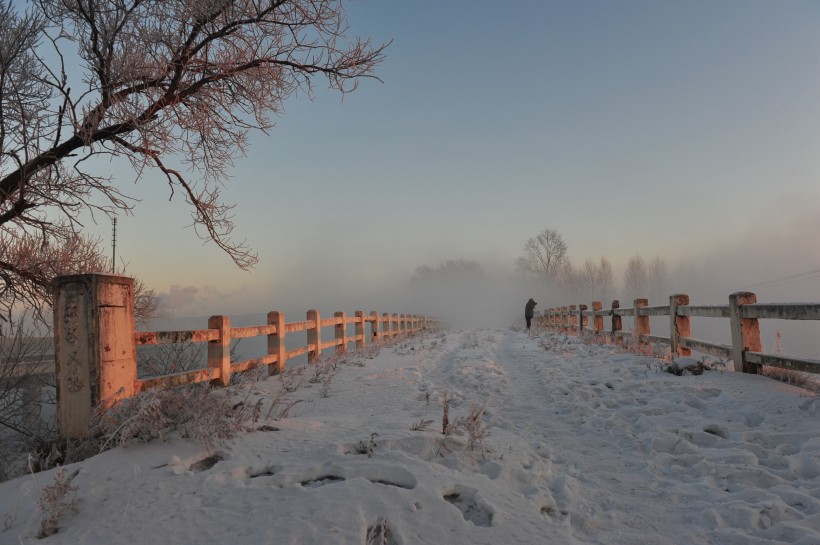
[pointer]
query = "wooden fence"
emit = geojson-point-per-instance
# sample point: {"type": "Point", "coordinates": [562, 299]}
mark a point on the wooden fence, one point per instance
{"type": "Point", "coordinates": [95, 344]}
{"type": "Point", "coordinates": [743, 311]}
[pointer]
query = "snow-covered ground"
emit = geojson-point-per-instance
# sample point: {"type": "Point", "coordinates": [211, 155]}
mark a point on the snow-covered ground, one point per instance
{"type": "Point", "coordinates": [587, 444]}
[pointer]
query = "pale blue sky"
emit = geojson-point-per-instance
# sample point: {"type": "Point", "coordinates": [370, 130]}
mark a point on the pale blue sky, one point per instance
{"type": "Point", "coordinates": [679, 129]}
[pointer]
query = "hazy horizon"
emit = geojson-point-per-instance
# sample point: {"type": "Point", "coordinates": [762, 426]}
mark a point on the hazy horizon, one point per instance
{"type": "Point", "coordinates": [688, 131]}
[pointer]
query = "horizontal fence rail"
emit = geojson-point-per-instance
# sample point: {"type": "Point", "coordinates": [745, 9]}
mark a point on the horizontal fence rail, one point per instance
{"type": "Point", "coordinates": [219, 338]}
{"type": "Point", "coordinates": [743, 311]}
{"type": "Point", "coordinates": [95, 344]}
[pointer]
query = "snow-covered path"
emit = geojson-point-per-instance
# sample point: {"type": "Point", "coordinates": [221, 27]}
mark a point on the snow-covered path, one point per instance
{"type": "Point", "coordinates": [587, 445]}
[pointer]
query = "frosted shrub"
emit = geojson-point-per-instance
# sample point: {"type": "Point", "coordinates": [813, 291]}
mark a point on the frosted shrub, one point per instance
{"type": "Point", "coordinates": [197, 412]}
{"type": "Point", "coordinates": [167, 359]}
{"type": "Point", "coordinates": [471, 425]}
{"type": "Point", "coordinates": [55, 499]}
{"type": "Point", "coordinates": [474, 427]}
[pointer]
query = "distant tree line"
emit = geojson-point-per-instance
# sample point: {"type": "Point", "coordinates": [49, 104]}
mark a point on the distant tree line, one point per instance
{"type": "Point", "coordinates": [545, 258]}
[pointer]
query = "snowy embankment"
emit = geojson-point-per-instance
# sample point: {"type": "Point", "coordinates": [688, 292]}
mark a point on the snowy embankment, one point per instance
{"type": "Point", "coordinates": [587, 445]}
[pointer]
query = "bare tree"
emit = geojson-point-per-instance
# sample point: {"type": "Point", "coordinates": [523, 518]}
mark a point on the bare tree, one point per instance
{"type": "Point", "coordinates": [658, 279]}
{"type": "Point", "coordinates": [606, 281]}
{"type": "Point", "coordinates": [26, 387]}
{"type": "Point", "coordinates": [28, 267]}
{"type": "Point", "coordinates": [635, 278]}
{"type": "Point", "coordinates": [174, 85]}
{"type": "Point", "coordinates": [451, 271]}
{"type": "Point", "coordinates": [569, 279]}
{"type": "Point", "coordinates": [545, 253]}
{"type": "Point", "coordinates": [588, 276]}
{"type": "Point", "coordinates": [523, 268]}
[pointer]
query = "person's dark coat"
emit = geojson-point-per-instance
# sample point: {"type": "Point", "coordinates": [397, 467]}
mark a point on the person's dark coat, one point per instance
{"type": "Point", "coordinates": [529, 309]}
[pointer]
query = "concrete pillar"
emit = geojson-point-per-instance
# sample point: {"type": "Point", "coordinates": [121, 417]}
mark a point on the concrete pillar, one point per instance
{"type": "Point", "coordinates": [276, 342]}
{"type": "Point", "coordinates": [96, 359]}
{"type": "Point", "coordinates": [745, 332]}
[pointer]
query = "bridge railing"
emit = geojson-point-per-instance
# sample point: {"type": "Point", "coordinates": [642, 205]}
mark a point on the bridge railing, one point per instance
{"type": "Point", "coordinates": [95, 344]}
{"type": "Point", "coordinates": [743, 312]}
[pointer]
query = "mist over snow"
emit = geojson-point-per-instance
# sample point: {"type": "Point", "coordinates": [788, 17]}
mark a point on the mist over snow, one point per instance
{"type": "Point", "coordinates": [767, 258]}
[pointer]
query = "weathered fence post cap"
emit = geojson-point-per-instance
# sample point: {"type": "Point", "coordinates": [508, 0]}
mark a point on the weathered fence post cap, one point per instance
{"type": "Point", "coordinates": [115, 278]}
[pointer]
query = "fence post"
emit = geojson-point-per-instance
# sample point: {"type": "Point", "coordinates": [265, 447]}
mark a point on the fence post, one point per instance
{"type": "Point", "coordinates": [745, 332]}
{"type": "Point", "coordinates": [679, 325]}
{"type": "Point", "coordinates": [386, 329]}
{"type": "Point", "coordinates": [564, 319]}
{"type": "Point", "coordinates": [314, 335]}
{"type": "Point", "coordinates": [571, 318]}
{"type": "Point", "coordinates": [395, 324]}
{"type": "Point", "coordinates": [641, 322]}
{"type": "Point", "coordinates": [375, 332]}
{"type": "Point", "coordinates": [95, 353]}
{"type": "Point", "coordinates": [360, 336]}
{"type": "Point", "coordinates": [617, 324]}
{"type": "Point", "coordinates": [583, 321]}
{"type": "Point", "coordinates": [341, 333]}
{"type": "Point", "coordinates": [276, 342]}
{"type": "Point", "coordinates": [219, 350]}
{"type": "Point", "coordinates": [598, 321]}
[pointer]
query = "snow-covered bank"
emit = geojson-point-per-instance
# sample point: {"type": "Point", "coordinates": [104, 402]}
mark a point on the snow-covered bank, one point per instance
{"type": "Point", "coordinates": [587, 445]}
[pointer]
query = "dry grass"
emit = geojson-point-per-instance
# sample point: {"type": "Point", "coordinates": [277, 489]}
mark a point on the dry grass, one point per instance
{"type": "Point", "coordinates": [795, 378]}
{"type": "Point", "coordinates": [55, 499]}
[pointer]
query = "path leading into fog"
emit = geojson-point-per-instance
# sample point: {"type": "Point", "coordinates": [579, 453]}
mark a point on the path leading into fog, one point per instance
{"type": "Point", "coordinates": [587, 445]}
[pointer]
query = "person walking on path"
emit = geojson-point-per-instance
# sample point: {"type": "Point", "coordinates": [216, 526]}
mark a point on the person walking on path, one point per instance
{"type": "Point", "coordinates": [529, 311]}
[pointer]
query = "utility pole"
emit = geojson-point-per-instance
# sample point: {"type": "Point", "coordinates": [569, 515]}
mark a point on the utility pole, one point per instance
{"type": "Point", "coordinates": [114, 247]}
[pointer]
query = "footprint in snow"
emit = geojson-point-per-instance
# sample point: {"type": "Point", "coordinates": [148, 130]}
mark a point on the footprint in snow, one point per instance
{"type": "Point", "coordinates": [465, 499]}
{"type": "Point", "coordinates": [206, 463]}
{"type": "Point", "coordinates": [380, 534]}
